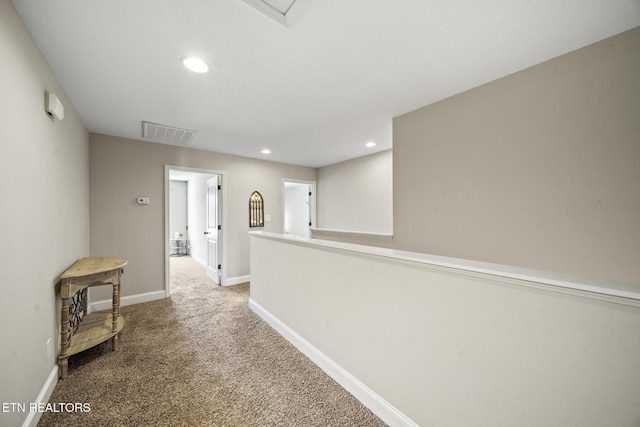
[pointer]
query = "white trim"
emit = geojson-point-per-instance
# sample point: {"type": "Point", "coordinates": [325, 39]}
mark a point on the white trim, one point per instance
{"type": "Point", "coordinates": [336, 233]}
{"type": "Point", "coordinates": [606, 290]}
{"type": "Point", "coordinates": [43, 398]}
{"type": "Point", "coordinates": [383, 409]}
{"type": "Point", "coordinates": [286, 18]}
{"type": "Point", "coordinates": [198, 260]}
{"type": "Point", "coordinates": [259, 5]}
{"type": "Point", "coordinates": [236, 280]}
{"type": "Point", "coordinates": [228, 282]}
{"type": "Point", "coordinates": [225, 282]}
{"type": "Point", "coordinates": [128, 300]}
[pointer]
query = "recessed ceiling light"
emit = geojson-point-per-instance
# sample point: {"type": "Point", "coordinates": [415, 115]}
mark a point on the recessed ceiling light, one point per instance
{"type": "Point", "coordinates": [266, 151]}
{"type": "Point", "coordinates": [195, 64]}
{"type": "Point", "coordinates": [370, 144]}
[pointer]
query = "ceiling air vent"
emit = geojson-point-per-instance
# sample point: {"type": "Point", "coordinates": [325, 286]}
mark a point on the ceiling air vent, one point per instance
{"type": "Point", "coordinates": [167, 134]}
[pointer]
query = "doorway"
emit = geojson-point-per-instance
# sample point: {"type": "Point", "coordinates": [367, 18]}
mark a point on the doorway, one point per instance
{"type": "Point", "coordinates": [178, 217]}
{"type": "Point", "coordinates": [299, 207]}
{"type": "Point", "coordinates": [203, 235]}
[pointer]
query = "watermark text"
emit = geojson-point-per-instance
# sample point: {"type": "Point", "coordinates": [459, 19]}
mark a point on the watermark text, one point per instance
{"type": "Point", "coordinates": [45, 407]}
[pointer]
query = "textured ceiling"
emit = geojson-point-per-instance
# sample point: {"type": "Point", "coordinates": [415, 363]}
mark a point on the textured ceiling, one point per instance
{"type": "Point", "coordinates": [315, 90]}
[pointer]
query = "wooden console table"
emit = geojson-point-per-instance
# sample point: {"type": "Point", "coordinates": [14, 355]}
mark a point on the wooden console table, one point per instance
{"type": "Point", "coordinates": [79, 330]}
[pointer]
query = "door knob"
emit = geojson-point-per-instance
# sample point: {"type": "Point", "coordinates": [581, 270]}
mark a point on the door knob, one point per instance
{"type": "Point", "coordinates": [206, 232]}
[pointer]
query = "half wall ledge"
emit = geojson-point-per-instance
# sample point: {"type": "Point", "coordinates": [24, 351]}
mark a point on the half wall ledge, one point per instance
{"type": "Point", "coordinates": [607, 290]}
{"type": "Point", "coordinates": [328, 232]}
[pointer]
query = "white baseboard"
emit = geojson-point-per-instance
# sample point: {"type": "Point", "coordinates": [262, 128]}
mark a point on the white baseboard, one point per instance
{"type": "Point", "coordinates": [43, 398]}
{"type": "Point", "coordinates": [230, 281]}
{"type": "Point", "coordinates": [383, 409]}
{"type": "Point", "coordinates": [198, 260]}
{"type": "Point", "coordinates": [225, 282]}
{"type": "Point", "coordinates": [128, 300]}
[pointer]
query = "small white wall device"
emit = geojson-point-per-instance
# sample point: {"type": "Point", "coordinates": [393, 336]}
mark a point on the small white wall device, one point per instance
{"type": "Point", "coordinates": [53, 106]}
{"type": "Point", "coordinates": [143, 200]}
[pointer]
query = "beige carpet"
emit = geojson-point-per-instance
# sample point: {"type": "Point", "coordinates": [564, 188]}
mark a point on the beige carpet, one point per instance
{"type": "Point", "coordinates": [201, 358]}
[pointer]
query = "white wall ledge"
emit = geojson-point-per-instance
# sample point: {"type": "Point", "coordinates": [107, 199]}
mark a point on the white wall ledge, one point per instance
{"type": "Point", "coordinates": [337, 233]}
{"type": "Point", "coordinates": [607, 290]}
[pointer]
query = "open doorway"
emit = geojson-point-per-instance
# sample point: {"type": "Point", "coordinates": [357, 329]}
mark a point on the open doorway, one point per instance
{"type": "Point", "coordinates": [178, 216]}
{"type": "Point", "coordinates": [299, 207]}
{"type": "Point", "coordinates": [194, 218]}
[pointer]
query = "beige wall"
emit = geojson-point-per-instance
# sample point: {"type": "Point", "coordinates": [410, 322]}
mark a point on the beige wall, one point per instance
{"type": "Point", "coordinates": [538, 169]}
{"type": "Point", "coordinates": [44, 212]}
{"type": "Point", "coordinates": [357, 195]}
{"type": "Point", "coordinates": [451, 346]}
{"type": "Point", "coordinates": [123, 169]}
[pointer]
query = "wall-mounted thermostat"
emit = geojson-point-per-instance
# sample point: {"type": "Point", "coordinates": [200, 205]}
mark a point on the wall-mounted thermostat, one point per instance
{"type": "Point", "coordinates": [143, 200]}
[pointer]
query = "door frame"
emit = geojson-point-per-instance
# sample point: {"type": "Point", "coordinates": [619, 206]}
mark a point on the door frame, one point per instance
{"type": "Point", "coordinates": [312, 201]}
{"type": "Point", "coordinates": [167, 170]}
{"type": "Point", "coordinates": [217, 182]}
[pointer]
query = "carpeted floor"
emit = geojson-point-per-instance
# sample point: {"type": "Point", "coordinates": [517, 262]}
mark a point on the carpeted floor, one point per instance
{"type": "Point", "coordinates": [201, 358]}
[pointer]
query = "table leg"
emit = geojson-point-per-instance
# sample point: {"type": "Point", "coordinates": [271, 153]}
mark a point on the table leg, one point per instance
{"type": "Point", "coordinates": [64, 337]}
{"type": "Point", "coordinates": [85, 291]}
{"type": "Point", "coordinates": [115, 312]}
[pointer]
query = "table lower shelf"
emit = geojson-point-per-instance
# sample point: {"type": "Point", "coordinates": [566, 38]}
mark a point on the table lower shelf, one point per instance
{"type": "Point", "coordinates": [94, 329]}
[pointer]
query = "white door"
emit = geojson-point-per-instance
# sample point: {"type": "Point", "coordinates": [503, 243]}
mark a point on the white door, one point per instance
{"type": "Point", "coordinates": [214, 229]}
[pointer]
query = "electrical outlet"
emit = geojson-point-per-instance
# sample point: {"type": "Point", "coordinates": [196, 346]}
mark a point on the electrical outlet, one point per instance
{"type": "Point", "coordinates": [49, 349]}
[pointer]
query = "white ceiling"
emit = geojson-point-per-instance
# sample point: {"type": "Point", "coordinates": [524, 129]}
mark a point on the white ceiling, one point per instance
{"type": "Point", "coordinates": [313, 90]}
